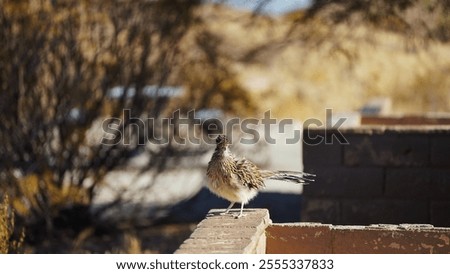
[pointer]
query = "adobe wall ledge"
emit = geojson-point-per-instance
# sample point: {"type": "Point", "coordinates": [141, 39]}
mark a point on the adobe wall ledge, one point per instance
{"type": "Point", "coordinates": [423, 119]}
{"type": "Point", "coordinates": [223, 234]}
{"type": "Point", "coordinates": [316, 238]}
{"type": "Point", "coordinates": [384, 129]}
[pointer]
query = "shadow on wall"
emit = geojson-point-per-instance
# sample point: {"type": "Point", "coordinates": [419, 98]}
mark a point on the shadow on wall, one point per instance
{"type": "Point", "coordinates": [282, 207]}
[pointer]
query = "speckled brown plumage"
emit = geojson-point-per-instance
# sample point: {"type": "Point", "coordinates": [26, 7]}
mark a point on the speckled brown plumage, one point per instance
{"type": "Point", "coordinates": [238, 180]}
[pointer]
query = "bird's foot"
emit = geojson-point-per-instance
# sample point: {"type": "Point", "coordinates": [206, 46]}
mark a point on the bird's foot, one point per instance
{"type": "Point", "coordinates": [238, 216]}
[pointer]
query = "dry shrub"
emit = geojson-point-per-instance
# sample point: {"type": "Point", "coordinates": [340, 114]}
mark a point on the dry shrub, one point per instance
{"type": "Point", "coordinates": [59, 60]}
{"type": "Point", "coordinates": [131, 244]}
{"type": "Point", "coordinates": [62, 57]}
{"type": "Point", "coordinates": [9, 242]}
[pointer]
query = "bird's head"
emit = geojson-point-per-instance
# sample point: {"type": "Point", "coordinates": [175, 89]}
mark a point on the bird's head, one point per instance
{"type": "Point", "coordinates": [222, 140]}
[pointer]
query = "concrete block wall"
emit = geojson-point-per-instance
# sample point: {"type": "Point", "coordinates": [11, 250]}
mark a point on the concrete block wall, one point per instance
{"type": "Point", "coordinates": [310, 238]}
{"type": "Point", "coordinates": [395, 174]}
{"type": "Point", "coordinates": [255, 233]}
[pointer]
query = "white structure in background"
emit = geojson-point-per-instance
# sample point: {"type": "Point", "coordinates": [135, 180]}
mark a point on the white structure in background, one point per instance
{"type": "Point", "coordinates": [151, 91]}
{"type": "Point", "coordinates": [345, 119]}
{"type": "Point", "coordinates": [270, 7]}
{"type": "Point", "coordinates": [377, 106]}
{"type": "Point", "coordinates": [285, 156]}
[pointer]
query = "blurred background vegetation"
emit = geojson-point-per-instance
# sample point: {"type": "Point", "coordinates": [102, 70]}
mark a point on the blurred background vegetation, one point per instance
{"type": "Point", "coordinates": [60, 59]}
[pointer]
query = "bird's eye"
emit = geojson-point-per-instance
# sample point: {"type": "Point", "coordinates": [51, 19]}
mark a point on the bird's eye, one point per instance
{"type": "Point", "coordinates": [221, 139]}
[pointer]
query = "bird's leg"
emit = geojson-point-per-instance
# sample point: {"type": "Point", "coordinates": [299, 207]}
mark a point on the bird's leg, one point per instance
{"type": "Point", "coordinates": [228, 209]}
{"type": "Point", "coordinates": [240, 213]}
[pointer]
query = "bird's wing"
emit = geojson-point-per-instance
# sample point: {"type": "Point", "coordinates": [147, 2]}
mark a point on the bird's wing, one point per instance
{"type": "Point", "coordinates": [249, 174]}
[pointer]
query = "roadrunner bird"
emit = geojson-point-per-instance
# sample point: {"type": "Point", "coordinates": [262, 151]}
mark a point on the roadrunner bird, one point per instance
{"type": "Point", "coordinates": [239, 180]}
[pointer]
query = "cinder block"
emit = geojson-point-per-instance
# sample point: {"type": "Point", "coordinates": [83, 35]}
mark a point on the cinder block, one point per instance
{"type": "Point", "coordinates": [322, 154]}
{"type": "Point", "coordinates": [440, 184]}
{"type": "Point", "coordinates": [408, 183]}
{"type": "Point", "coordinates": [440, 148]}
{"type": "Point", "coordinates": [224, 234]}
{"type": "Point", "coordinates": [384, 211]}
{"type": "Point", "coordinates": [300, 238]}
{"type": "Point", "coordinates": [321, 210]}
{"type": "Point", "coordinates": [346, 182]}
{"type": "Point", "coordinates": [440, 213]}
{"type": "Point", "coordinates": [327, 136]}
{"type": "Point", "coordinates": [314, 238]}
{"type": "Point", "coordinates": [388, 149]}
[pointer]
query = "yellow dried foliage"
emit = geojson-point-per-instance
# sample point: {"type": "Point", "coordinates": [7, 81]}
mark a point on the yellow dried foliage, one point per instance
{"type": "Point", "coordinates": [7, 227]}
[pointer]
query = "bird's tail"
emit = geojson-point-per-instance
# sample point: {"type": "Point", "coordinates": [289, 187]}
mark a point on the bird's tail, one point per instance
{"type": "Point", "coordinates": [292, 176]}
